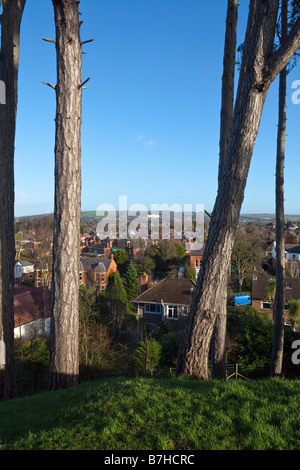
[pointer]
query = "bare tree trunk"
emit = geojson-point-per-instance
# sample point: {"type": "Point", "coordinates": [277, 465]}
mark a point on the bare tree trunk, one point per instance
{"type": "Point", "coordinates": [278, 337]}
{"type": "Point", "coordinates": [9, 65]}
{"type": "Point", "coordinates": [218, 346]}
{"type": "Point", "coordinates": [228, 80]}
{"type": "Point", "coordinates": [259, 68]}
{"type": "Point", "coordinates": [64, 359]}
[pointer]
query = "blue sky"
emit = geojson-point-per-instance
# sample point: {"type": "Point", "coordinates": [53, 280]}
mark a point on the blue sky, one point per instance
{"type": "Point", "coordinates": [151, 114]}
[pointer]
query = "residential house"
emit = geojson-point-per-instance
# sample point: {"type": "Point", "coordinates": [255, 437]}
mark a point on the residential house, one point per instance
{"type": "Point", "coordinates": [96, 270]}
{"type": "Point", "coordinates": [264, 305]}
{"type": "Point", "coordinates": [23, 272]}
{"type": "Point", "coordinates": [196, 256]}
{"type": "Point", "coordinates": [32, 310]}
{"type": "Point", "coordinates": [169, 299]}
{"type": "Point", "coordinates": [292, 257]}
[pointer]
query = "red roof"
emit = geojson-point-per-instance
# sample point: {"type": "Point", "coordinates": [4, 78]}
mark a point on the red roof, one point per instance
{"type": "Point", "coordinates": [31, 303]}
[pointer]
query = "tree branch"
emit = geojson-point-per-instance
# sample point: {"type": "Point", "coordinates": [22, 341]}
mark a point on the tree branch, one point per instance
{"type": "Point", "coordinates": [85, 42]}
{"type": "Point", "coordinates": [82, 84]}
{"type": "Point", "coordinates": [283, 55]}
{"type": "Point", "coordinates": [50, 85]}
{"type": "Point", "coordinates": [49, 40]}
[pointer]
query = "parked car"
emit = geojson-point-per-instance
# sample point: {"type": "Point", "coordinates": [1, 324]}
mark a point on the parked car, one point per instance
{"type": "Point", "coordinates": [239, 299]}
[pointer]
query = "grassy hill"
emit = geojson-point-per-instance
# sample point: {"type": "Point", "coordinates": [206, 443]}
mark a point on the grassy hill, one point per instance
{"type": "Point", "coordinates": [156, 414]}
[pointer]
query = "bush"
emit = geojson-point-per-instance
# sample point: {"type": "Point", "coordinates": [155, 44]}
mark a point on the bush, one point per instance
{"type": "Point", "coordinates": [147, 356]}
{"type": "Point", "coordinates": [250, 335]}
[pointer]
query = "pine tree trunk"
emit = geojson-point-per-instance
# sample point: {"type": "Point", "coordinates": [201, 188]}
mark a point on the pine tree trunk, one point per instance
{"type": "Point", "coordinates": [9, 64]}
{"type": "Point", "coordinates": [212, 280]}
{"type": "Point", "coordinates": [218, 347]}
{"type": "Point", "coordinates": [64, 360]}
{"type": "Point", "coordinates": [278, 337]}
{"type": "Point", "coordinates": [228, 80]}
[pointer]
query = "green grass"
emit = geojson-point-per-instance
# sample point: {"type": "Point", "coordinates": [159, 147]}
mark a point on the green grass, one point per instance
{"type": "Point", "coordinates": [156, 414]}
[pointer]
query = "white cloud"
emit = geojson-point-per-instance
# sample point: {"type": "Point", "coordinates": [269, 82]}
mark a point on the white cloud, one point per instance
{"type": "Point", "coordinates": [143, 140]}
{"type": "Point", "coordinates": [137, 138]}
{"type": "Point", "coordinates": [149, 143]}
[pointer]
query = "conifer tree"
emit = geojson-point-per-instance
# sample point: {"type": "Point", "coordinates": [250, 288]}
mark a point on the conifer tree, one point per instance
{"type": "Point", "coordinates": [131, 282]}
{"type": "Point", "coordinates": [116, 302]}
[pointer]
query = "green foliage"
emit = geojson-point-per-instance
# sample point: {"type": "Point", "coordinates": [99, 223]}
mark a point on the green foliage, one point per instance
{"type": "Point", "coordinates": [253, 336]}
{"type": "Point", "coordinates": [121, 258]}
{"type": "Point", "coordinates": [271, 289]}
{"type": "Point", "coordinates": [131, 282]}
{"type": "Point", "coordinates": [170, 344]}
{"type": "Point", "coordinates": [190, 273]}
{"type": "Point", "coordinates": [147, 356]}
{"type": "Point", "coordinates": [293, 307]}
{"type": "Point", "coordinates": [180, 250]}
{"type": "Point", "coordinates": [32, 365]}
{"type": "Point", "coordinates": [97, 349]}
{"type": "Point", "coordinates": [169, 335]}
{"type": "Point", "coordinates": [115, 303]}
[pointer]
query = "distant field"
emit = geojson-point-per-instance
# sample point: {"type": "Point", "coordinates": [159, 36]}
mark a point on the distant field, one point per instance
{"type": "Point", "coordinates": [156, 414]}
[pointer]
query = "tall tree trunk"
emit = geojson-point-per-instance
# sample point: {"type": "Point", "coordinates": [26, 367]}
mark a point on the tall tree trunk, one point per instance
{"type": "Point", "coordinates": [259, 68]}
{"type": "Point", "coordinates": [9, 65]}
{"type": "Point", "coordinates": [278, 336]}
{"type": "Point", "coordinates": [218, 346]}
{"type": "Point", "coordinates": [64, 357]}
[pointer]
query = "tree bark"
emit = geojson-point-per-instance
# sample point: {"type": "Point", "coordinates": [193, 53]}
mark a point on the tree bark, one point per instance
{"type": "Point", "coordinates": [228, 80]}
{"type": "Point", "coordinates": [64, 357]}
{"type": "Point", "coordinates": [9, 65]}
{"type": "Point", "coordinates": [278, 336]}
{"type": "Point", "coordinates": [218, 346]}
{"type": "Point", "coordinates": [253, 86]}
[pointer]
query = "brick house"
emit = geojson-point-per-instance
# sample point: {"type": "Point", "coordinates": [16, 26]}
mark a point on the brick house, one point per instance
{"type": "Point", "coordinates": [196, 256]}
{"type": "Point", "coordinates": [259, 300]}
{"type": "Point", "coordinates": [32, 310]}
{"type": "Point", "coordinates": [169, 299]}
{"type": "Point", "coordinates": [23, 272]}
{"type": "Point", "coordinates": [96, 270]}
{"type": "Point", "coordinates": [292, 256]}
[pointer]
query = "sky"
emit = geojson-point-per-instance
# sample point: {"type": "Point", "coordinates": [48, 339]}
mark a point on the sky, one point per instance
{"type": "Point", "coordinates": [151, 113]}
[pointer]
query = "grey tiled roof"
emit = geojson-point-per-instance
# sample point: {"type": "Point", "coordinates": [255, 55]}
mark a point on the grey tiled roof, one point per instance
{"type": "Point", "coordinates": [95, 264]}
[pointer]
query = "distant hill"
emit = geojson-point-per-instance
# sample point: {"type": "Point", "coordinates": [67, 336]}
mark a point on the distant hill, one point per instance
{"type": "Point", "coordinates": [256, 218]}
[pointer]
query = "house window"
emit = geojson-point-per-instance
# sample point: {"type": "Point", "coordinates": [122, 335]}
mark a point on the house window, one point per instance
{"type": "Point", "coordinates": [152, 308]}
{"type": "Point", "coordinates": [185, 310]}
{"type": "Point", "coordinates": [172, 312]}
{"type": "Point", "coordinates": [103, 277]}
{"type": "Point", "coordinates": [80, 276]}
{"type": "Point", "coordinates": [266, 305]}
{"type": "Point", "coordinates": [197, 263]}
{"type": "Point", "coordinates": [288, 285]}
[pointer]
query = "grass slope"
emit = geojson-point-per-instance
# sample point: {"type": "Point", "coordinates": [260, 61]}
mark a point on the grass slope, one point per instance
{"type": "Point", "coordinates": [156, 414]}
